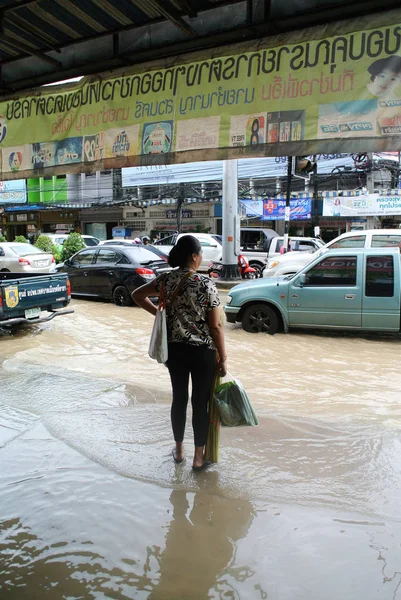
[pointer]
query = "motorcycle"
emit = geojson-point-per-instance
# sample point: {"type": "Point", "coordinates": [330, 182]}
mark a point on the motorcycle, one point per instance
{"type": "Point", "coordinates": [246, 272]}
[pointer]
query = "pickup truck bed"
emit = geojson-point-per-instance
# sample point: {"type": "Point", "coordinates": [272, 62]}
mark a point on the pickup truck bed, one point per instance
{"type": "Point", "coordinates": [31, 298]}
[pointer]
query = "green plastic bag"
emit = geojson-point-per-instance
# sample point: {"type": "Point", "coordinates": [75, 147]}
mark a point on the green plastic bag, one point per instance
{"type": "Point", "coordinates": [234, 405]}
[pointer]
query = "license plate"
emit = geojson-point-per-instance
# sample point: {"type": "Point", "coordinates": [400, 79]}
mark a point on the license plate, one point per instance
{"type": "Point", "coordinates": [32, 313]}
{"type": "Point", "coordinates": [42, 263]}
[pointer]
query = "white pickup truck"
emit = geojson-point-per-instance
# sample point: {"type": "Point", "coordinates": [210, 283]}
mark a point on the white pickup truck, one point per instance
{"type": "Point", "coordinates": [211, 247]}
{"type": "Point", "coordinates": [259, 256]}
{"type": "Point", "coordinates": [290, 263]}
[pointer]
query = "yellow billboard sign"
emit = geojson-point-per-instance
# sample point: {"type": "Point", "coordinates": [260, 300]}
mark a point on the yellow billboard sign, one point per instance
{"type": "Point", "coordinates": [320, 95]}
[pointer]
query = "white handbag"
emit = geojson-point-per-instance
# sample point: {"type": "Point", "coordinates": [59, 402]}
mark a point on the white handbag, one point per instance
{"type": "Point", "coordinates": [158, 345]}
{"type": "Point", "coordinates": [158, 348]}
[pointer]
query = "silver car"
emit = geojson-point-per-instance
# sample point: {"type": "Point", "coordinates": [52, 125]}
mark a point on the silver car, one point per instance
{"type": "Point", "coordinates": [25, 258]}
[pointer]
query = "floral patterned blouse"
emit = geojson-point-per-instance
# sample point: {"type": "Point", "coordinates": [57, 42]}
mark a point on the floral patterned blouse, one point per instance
{"type": "Point", "coordinates": [187, 318]}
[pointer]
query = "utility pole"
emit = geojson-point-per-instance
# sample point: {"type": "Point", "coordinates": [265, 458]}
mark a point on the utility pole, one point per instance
{"type": "Point", "coordinates": [315, 200]}
{"type": "Point", "coordinates": [230, 220]}
{"type": "Point", "coordinates": [180, 202]}
{"type": "Point", "coordinates": [287, 203]}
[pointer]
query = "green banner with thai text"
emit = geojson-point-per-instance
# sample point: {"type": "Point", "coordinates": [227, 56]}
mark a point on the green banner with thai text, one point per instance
{"type": "Point", "coordinates": [320, 94]}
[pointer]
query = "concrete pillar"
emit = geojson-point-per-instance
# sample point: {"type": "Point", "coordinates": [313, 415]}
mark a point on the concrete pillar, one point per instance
{"type": "Point", "coordinates": [231, 233]}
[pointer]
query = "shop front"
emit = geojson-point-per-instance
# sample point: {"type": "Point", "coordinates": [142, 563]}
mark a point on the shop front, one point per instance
{"type": "Point", "coordinates": [24, 222]}
{"type": "Point", "coordinates": [99, 222]}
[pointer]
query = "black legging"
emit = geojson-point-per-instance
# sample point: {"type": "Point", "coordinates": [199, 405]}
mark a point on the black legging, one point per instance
{"type": "Point", "coordinates": [200, 362]}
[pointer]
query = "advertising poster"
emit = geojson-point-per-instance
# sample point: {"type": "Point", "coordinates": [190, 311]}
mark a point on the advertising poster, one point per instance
{"type": "Point", "coordinates": [13, 192]}
{"type": "Point", "coordinates": [348, 119]}
{"type": "Point", "coordinates": [359, 206]}
{"type": "Point", "coordinates": [18, 159]}
{"type": "Point", "coordinates": [68, 151]}
{"type": "Point", "coordinates": [157, 138]}
{"type": "Point", "coordinates": [303, 92]}
{"type": "Point", "coordinates": [94, 147]}
{"type": "Point", "coordinates": [195, 134]}
{"type": "Point", "coordinates": [274, 210]}
{"type": "Point", "coordinates": [248, 130]}
{"type": "Point", "coordinates": [121, 142]}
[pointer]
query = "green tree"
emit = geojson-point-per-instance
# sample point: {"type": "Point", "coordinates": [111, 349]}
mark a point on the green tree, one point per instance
{"type": "Point", "coordinates": [20, 239]}
{"type": "Point", "coordinates": [44, 243]}
{"type": "Point", "coordinates": [72, 244]}
{"type": "Point", "coordinates": [3, 238]}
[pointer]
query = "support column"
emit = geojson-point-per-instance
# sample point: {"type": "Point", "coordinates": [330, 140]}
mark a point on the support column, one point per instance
{"type": "Point", "coordinates": [230, 220]}
{"type": "Point", "coordinates": [287, 203]}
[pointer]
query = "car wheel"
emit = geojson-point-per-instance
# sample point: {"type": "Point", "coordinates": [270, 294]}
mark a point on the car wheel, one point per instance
{"type": "Point", "coordinates": [121, 296]}
{"type": "Point", "coordinates": [259, 269]}
{"type": "Point", "coordinates": [260, 318]}
{"type": "Point", "coordinates": [5, 271]}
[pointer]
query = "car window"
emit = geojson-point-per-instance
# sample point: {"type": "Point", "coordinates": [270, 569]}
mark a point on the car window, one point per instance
{"type": "Point", "coordinates": [333, 271]}
{"type": "Point", "coordinates": [60, 240]}
{"type": "Point", "coordinates": [85, 257]}
{"type": "Point", "coordinates": [356, 241]}
{"type": "Point", "coordinates": [379, 276]}
{"type": "Point", "coordinates": [167, 241]}
{"type": "Point", "coordinates": [90, 241]}
{"type": "Point", "coordinates": [25, 249]}
{"type": "Point", "coordinates": [253, 240]}
{"type": "Point", "coordinates": [218, 239]}
{"type": "Point", "coordinates": [141, 254]}
{"type": "Point", "coordinates": [109, 257]}
{"type": "Point", "coordinates": [384, 241]}
{"type": "Point", "coordinates": [305, 245]}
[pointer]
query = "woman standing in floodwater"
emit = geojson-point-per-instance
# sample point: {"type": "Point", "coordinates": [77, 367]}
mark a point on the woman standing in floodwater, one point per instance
{"type": "Point", "coordinates": [194, 333]}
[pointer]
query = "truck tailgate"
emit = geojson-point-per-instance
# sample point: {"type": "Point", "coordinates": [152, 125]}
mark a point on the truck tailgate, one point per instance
{"type": "Point", "coordinates": [21, 294]}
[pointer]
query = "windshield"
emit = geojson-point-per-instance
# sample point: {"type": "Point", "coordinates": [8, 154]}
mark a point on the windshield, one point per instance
{"type": "Point", "coordinates": [25, 249]}
{"type": "Point", "coordinates": [141, 255]}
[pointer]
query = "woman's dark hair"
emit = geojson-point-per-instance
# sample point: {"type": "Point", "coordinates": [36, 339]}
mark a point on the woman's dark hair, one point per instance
{"type": "Point", "coordinates": [391, 62]}
{"type": "Point", "coordinates": [181, 253]}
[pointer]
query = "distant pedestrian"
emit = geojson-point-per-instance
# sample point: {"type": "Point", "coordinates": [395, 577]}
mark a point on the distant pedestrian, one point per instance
{"type": "Point", "coordinates": [145, 240]}
{"type": "Point", "coordinates": [195, 333]}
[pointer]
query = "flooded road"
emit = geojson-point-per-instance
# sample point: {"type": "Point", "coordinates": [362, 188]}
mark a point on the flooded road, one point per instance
{"type": "Point", "coordinates": [306, 506]}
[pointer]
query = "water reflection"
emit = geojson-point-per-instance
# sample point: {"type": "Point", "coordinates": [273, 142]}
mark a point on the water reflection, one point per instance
{"type": "Point", "coordinates": [201, 544]}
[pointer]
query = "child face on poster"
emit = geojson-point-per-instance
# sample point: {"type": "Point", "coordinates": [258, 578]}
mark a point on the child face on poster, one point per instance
{"type": "Point", "coordinates": [385, 77]}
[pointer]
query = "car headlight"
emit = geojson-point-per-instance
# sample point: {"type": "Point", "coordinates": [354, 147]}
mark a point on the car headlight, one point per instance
{"type": "Point", "coordinates": [272, 264]}
{"type": "Point", "coordinates": [229, 299]}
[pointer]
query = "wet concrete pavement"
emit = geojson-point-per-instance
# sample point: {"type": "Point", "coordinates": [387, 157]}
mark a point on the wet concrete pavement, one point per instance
{"type": "Point", "coordinates": [92, 506]}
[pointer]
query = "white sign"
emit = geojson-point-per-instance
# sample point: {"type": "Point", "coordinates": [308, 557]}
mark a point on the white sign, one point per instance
{"type": "Point", "coordinates": [358, 206]}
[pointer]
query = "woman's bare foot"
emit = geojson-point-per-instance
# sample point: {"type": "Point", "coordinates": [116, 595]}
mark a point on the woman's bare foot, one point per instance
{"type": "Point", "coordinates": [178, 452]}
{"type": "Point", "coordinates": [199, 456]}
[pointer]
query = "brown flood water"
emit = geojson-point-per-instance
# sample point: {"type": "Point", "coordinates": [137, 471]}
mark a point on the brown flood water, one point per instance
{"type": "Point", "coordinates": [305, 506]}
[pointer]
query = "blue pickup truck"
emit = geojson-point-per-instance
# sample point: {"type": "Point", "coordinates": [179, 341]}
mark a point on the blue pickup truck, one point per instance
{"type": "Point", "coordinates": [31, 298]}
{"type": "Point", "coordinates": [353, 289]}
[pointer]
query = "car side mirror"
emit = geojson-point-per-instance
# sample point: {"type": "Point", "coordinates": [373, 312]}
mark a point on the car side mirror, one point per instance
{"type": "Point", "coordinates": [302, 279]}
{"type": "Point", "coordinates": [2, 253]}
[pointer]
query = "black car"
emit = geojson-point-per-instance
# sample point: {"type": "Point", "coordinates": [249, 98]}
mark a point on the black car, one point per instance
{"type": "Point", "coordinates": [154, 249]}
{"type": "Point", "coordinates": [112, 272]}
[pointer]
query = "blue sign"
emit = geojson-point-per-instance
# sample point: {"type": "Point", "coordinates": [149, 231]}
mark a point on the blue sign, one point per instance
{"type": "Point", "coordinates": [13, 192]}
{"type": "Point", "coordinates": [121, 232]}
{"type": "Point", "coordinates": [271, 209]}
{"type": "Point", "coordinates": [300, 209]}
